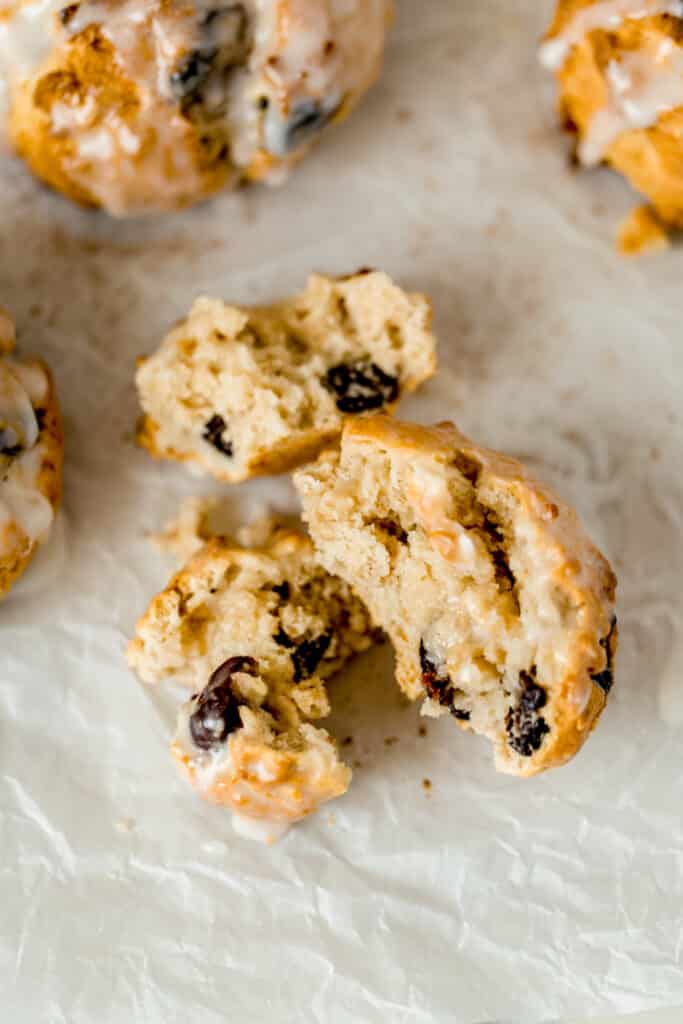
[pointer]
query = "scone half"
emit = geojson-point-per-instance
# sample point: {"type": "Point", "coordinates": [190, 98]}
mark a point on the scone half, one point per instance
{"type": "Point", "coordinates": [255, 633]}
{"type": "Point", "coordinates": [499, 607]}
{"type": "Point", "coordinates": [242, 392]}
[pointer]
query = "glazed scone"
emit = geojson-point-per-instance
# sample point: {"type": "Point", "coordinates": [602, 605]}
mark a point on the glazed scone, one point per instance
{"type": "Point", "coordinates": [139, 106]}
{"type": "Point", "coordinates": [31, 452]}
{"type": "Point", "coordinates": [245, 392]}
{"type": "Point", "coordinates": [619, 66]}
{"type": "Point", "coordinates": [500, 609]}
{"type": "Point", "coordinates": [255, 633]}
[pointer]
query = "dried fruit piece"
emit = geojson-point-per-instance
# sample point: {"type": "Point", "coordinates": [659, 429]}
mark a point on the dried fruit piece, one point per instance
{"type": "Point", "coordinates": [308, 655]}
{"type": "Point", "coordinates": [361, 386]}
{"type": "Point", "coordinates": [217, 708]}
{"type": "Point", "coordinates": [524, 726]}
{"type": "Point", "coordinates": [605, 679]}
{"type": "Point", "coordinates": [213, 433]}
{"type": "Point", "coordinates": [439, 688]}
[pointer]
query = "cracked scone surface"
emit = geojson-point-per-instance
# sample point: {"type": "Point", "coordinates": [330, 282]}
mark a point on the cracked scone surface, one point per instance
{"type": "Point", "coordinates": [255, 633]}
{"type": "Point", "coordinates": [243, 392]}
{"type": "Point", "coordinates": [31, 453]}
{"type": "Point", "coordinates": [500, 609]}
{"type": "Point", "coordinates": [147, 105]}
{"type": "Point", "coordinates": [619, 68]}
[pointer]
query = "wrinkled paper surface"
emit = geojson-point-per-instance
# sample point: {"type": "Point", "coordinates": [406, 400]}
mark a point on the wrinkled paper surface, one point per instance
{"type": "Point", "coordinates": [126, 899]}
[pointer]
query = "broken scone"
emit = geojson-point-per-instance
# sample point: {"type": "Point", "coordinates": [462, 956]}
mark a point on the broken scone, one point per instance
{"type": "Point", "coordinates": [619, 66]}
{"type": "Point", "coordinates": [255, 634]}
{"type": "Point", "coordinates": [31, 452]}
{"type": "Point", "coordinates": [244, 392]}
{"type": "Point", "coordinates": [499, 607]}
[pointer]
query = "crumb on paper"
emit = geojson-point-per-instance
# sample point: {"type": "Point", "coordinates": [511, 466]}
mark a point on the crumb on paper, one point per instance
{"type": "Point", "coordinates": [188, 531]}
{"type": "Point", "coordinates": [426, 784]}
{"type": "Point", "coordinates": [347, 741]}
{"type": "Point", "coordinates": [390, 740]}
{"type": "Point", "coordinates": [125, 825]}
{"type": "Point", "coordinates": [641, 232]}
{"type": "Point", "coordinates": [422, 731]}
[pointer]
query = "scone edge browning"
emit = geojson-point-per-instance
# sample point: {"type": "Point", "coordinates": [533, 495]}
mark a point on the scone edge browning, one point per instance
{"type": "Point", "coordinates": [578, 574]}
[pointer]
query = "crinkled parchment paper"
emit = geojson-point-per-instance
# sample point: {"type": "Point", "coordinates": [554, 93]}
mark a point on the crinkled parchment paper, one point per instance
{"type": "Point", "coordinates": [124, 898]}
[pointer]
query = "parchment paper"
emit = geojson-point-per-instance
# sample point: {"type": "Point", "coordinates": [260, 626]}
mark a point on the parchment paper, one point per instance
{"type": "Point", "coordinates": [124, 898]}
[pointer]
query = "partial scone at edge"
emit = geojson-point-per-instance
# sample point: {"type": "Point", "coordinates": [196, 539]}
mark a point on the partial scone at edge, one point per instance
{"type": "Point", "coordinates": [500, 608]}
{"type": "Point", "coordinates": [17, 545]}
{"type": "Point", "coordinates": [620, 92]}
{"type": "Point", "coordinates": [255, 633]}
{"type": "Point", "coordinates": [245, 392]}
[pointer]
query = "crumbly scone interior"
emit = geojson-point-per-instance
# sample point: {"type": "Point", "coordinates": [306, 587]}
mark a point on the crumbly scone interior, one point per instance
{"type": "Point", "coordinates": [228, 384]}
{"type": "Point", "coordinates": [456, 574]}
{"type": "Point", "coordinates": [255, 633]}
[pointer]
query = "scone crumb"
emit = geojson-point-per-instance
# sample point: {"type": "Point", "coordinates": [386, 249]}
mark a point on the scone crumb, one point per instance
{"type": "Point", "coordinates": [642, 232]}
{"type": "Point", "coordinates": [426, 784]}
{"type": "Point", "coordinates": [125, 825]}
{"type": "Point", "coordinates": [390, 741]}
{"type": "Point", "coordinates": [347, 741]}
{"type": "Point", "coordinates": [188, 531]}
{"type": "Point", "coordinates": [422, 731]}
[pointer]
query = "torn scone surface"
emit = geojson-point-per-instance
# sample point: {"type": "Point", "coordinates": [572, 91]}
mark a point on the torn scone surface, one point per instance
{"type": "Point", "coordinates": [31, 454]}
{"type": "Point", "coordinates": [255, 634]}
{"type": "Point", "coordinates": [500, 609]}
{"type": "Point", "coordinates": [242, 392]}
{"type": "Point", "coordinates": [619, 68]}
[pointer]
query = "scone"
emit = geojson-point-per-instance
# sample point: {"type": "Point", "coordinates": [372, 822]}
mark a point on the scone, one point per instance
{"type": "Point", "coordinates": [244, 392]}
{"type": "Point", "coordinates": [31, 451]}
{"type": "Point", "coordinates": [255, 634]}
{"type": "Point", "coordinates": [499, 607]}
{"type": "Point", "coordinates": [619, 66]}
{"type": "Point", "coordinates": [139, 106]}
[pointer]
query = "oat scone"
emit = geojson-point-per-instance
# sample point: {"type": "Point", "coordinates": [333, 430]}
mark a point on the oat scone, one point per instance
{"type": "Point", "coordinates": [140, 106]}
{"type": "Point", "coordinates": [255, 633]}
{"type": "Point", "coordinates": [31, 452]}
{"type": "Point", "coordinates": [500, 609]}
{"type": "Point", "coordinates": [243, 392]}
{"type": "Point", "coordinates": [619, 67]}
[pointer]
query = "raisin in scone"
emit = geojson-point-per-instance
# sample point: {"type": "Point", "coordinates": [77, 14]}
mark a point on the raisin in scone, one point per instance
{"type": "Point", "coordinates": [31, 452]}
{"type": "Point", "coordinates": [255, 633]}
{"type": "Point", "coordinates": [499, 607]}
{"type": "Point", "coordinates": [139, 106]}
{"type": "Point", "coordinates": [619, 67]}
{"type": "Point", "coordinates": [244, 392]}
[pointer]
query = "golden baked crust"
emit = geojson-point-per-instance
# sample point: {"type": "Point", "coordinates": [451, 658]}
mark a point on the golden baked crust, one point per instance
{"type": "Point", "coordinates": [49, 482]}
{"type": "Point", "coordinates": [650, 157]}
{"type": "Point", "coordinates": [427, 483]}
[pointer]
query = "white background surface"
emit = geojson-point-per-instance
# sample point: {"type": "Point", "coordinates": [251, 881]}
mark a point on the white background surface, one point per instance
{"type": "Point", "coordinates": [489, 897]}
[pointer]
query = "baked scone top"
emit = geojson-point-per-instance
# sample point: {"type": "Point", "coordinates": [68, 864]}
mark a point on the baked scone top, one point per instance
{"type": "Point", "coordinates": [139, 105]}
{"type": "Point", "coordinates": [499, 606]}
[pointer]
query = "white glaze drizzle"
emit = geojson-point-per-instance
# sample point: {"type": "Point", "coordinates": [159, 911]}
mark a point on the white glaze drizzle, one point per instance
{"type": "Point", "coordinates": [26, 37]}
{"type": "Point", "coordinates": [608, 15]}
{"type": "Point", "coordinates": [642, 86]}
{"type": "Point", "coordinates": [304, 50]}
